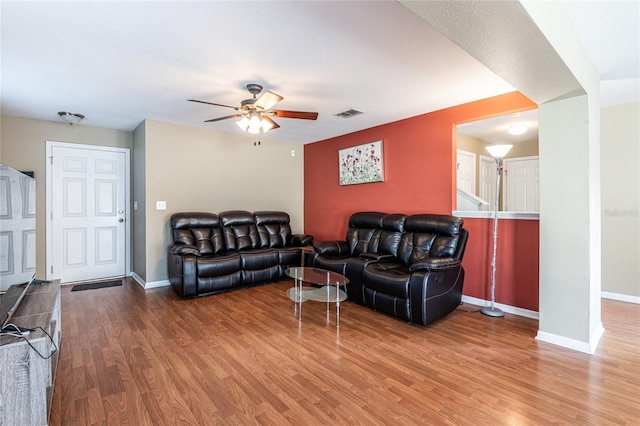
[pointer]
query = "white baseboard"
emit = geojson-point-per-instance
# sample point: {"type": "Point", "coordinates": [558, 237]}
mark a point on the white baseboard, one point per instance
{"type": "Point", "coordinates": [620, 297]}
{"type": "Point", "coordinates": [156, 284]}
{"type": "Point", "coordinates": [505, 308]}
{"type": "Point", "coordinates": [137, 278]}
{"type": "Point", "coordinates": [576, 345]}
{"type": "Point", "coordinates": [148, 285]}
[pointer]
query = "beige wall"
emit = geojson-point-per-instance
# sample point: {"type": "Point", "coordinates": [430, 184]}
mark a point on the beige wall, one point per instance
{"type": "Point", "coordinates": [22, 146]}
{"type": "Point", "coordinates": [195, 169]}
{"type": "Point", "coordinates": [620, 162]}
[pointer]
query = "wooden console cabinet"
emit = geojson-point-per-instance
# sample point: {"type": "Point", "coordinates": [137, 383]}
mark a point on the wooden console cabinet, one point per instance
{"type": "Point", "coordinates": [26, 378]}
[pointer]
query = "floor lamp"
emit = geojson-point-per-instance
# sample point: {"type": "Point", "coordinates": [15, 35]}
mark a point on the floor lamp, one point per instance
{"type": "Point", "coordinates": [498, 152]}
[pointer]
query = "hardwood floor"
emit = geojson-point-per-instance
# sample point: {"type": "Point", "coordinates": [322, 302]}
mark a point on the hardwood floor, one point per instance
{"type": "Point", "coordinates": [130, 356]}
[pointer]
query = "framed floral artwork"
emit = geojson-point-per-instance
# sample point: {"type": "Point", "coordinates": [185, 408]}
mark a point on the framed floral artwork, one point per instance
{"type": "Point", "coordinates": [361, 164]}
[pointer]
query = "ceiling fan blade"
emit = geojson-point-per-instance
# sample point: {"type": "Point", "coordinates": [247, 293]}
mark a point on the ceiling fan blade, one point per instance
{"type": "Point", "coordinates": [214, 104]}
{"type": "Point", "coordinates": [274, 125]}
{"type": "Point", "coordinates": [268, 100]}
{"type": "Point", "coordinates": [296, 114]}
{"type": "Point", "coordinates": [223, 118]}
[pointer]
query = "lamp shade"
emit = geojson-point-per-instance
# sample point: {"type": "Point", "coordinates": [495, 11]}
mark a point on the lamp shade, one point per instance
{"type": "Point", "coordinates": [498, 151]}
{"type": "Point", "coordinates": [254, 125]}
{"type": "Point", "coordinates": [255, 122]}
{"type": "Point", "coordinates": [243, 123]}
{"type": "Point", "coordinates": [266, 124]}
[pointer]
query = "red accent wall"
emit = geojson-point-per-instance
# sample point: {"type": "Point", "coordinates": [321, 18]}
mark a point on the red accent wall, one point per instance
{"type": "Point", "coordinates": [419, 177]}
{"type": "Point", "coordinates": [517, 261]}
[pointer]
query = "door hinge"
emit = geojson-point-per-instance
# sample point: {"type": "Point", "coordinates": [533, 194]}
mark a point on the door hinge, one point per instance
{"type": "Point", "coordinates": [51, 159]}
{"type": "Point", "coordinates": [52, 269]}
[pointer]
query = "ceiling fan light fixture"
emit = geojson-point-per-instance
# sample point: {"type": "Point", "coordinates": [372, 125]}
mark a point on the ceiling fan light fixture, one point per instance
{"type": "Point", "coordinates": [517, 129]}
{"type": "Point", "coordinates": [243, 123]}
{"type": "Point", "coordinates": [266, 125]}
{"type": "Point", "coordinates": [255, 113]}
{"type": "Point", "coordinates": [254, 125]}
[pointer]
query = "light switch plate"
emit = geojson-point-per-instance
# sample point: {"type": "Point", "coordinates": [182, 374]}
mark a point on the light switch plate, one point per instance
{"type": "Point", "coordinates": [161, 205]}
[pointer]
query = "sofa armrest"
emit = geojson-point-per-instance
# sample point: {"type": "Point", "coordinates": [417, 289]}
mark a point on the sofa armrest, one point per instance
{"type": "Point", "coordinates": [183, 249]}
{"type": "Point", "coordinates": [378, 257]}
{"type": "Point", "coordinates": [301, 240]}
{"type": "Point", "coordinates": [435, 264]}
{"type": "Point", "coordinates": [331, 248]}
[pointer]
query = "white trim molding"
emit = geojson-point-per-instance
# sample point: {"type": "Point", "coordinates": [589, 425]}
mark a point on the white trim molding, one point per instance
{"type": "Point", "coordinates": [501, 215]}
{"type": "Point", "coordinates": [505, 308]}
{"type": "Point", "coordinates": [577, 345]}
{"type": "Point", "coordinates": [156, 284]}
{"type": "Point", "coordinates": [152, 284]}
{"type": "Point", "coordinates": [620, 297]}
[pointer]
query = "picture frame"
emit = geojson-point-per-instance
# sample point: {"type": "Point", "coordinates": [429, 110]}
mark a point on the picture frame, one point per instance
{"type": "Point", "coordinates": [361, 164]}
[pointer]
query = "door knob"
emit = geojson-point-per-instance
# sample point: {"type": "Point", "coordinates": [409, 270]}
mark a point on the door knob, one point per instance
{"type": "Point", "coordinates": [121, 220]}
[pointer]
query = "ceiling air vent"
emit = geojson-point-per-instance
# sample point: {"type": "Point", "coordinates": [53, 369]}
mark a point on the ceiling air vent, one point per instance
{"type": "Point", "coordinates": [349, 113]}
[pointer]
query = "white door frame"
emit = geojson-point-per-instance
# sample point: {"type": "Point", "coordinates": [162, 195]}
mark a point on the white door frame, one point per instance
{"type": "Point", "coordinates": [48, 205]}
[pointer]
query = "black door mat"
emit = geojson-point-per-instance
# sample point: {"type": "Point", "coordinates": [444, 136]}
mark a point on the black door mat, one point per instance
{"type": "Point", "coordinates": [93, 286]}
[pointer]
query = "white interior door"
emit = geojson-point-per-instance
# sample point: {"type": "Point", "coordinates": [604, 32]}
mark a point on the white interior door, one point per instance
{"type": "Point", "coordinates": [466, 171]}
{"type": "Point", "coordinates": [488, 169]}
{"type": "Point", "coordinates": [87, 204]}
{"type": "Point", "coordinates": [17, 228]}
{"type": "Point", "coordinates": [522, 184]}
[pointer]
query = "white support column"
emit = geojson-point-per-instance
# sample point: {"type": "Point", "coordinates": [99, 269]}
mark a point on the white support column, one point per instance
{"type": "Point", "coordinates": [569, 226]}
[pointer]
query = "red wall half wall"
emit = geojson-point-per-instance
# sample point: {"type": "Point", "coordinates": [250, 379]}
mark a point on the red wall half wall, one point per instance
{"type": "Point", "coordinates": [419, 177]}
{"type": "Point", "coordinates": [517, 261]}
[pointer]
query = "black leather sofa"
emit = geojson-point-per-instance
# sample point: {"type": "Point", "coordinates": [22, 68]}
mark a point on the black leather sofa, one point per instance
{"type": "Point", "coordinates": [234, 249]}
{"type": "Point", "coordinates": [406, 266]}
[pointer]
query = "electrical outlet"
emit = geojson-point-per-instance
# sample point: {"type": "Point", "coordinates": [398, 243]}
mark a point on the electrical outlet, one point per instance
{"type": "Point", "coordinates": [161, 205]}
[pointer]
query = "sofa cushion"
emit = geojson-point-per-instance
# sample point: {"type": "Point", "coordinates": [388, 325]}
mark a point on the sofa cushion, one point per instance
{"type": "Point", "coordinates": [363, 228]}
{"type": "Point", "coordinates": [218, 265]}
{"type": "Point", "coordinates": [428, 235]}
{"type": "Point", "coordinates": [388, 239]}
{"type": "Point", "coordinates": [258, 259]}
{"type": "Point", "coordinates": [240, 231]}
{"type": "Point", "coordinates": [415, 246]}
{"type": "Point", "coordinates": [388, 278]}
{"type": "Point", "coordinates": [273, 228]}
{"type": "Point", "coordinates": [199, 230]}
{"type": "Point", "coordinates": [206, 285]}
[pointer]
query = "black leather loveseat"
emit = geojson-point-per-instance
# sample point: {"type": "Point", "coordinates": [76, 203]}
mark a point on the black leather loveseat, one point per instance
{"type": "Point", "coordinates": [406, 266]}
{"type": "Point", "coordinates": [219, 252]}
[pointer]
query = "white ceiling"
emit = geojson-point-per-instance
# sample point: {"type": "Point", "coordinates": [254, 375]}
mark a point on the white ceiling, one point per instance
{"type": "Point", "coordinates": [495, 130]}
{"type": "Point", "coordinates": [119, 63]}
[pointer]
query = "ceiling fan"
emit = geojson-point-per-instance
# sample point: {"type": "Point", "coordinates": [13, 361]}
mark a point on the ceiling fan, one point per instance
{"type": "Point", "coordinates": [255, 113]}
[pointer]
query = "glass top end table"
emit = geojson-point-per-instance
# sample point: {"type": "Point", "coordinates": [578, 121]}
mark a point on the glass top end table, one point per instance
{"type": "Point", "coordinates": [324, 287]}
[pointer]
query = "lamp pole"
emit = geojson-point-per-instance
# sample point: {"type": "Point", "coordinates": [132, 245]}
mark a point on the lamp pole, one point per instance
{"type": "Point", "coordinates": [498, 152]}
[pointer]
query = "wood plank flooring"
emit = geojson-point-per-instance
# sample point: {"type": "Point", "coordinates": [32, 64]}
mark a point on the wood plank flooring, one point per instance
{"type": "Point", "coordinates": [136, 357]}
